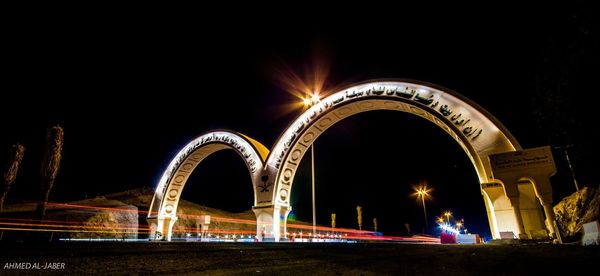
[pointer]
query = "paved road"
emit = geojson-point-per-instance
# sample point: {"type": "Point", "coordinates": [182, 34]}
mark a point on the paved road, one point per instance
{"type": "Point", "coordinates": [298, 259]}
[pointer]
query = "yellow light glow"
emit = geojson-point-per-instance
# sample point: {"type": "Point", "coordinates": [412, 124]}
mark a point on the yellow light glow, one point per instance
{"type": "Point", "coordinates": [303, 84]}
{"type": "Point", "coordinates": [315, 97]}
{"type": "Point", "coordinates": [307, 102]}
{"type": "Point", "coordinates": [448, 214]}
{"type": "Point", "coordinates": [422, 191]}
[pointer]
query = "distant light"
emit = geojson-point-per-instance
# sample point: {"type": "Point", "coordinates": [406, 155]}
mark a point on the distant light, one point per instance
{"type": "Point", "coordinates": [448, 228]}
{"type": "Point", "coordinates": [422, 191]}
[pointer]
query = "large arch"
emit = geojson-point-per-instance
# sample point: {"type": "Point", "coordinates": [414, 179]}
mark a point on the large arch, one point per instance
{"type": "Point", "coordinates": [471, 126]}
{"type": "Point", "coordinates": [512, 204]}
{"type": "Point", "coordinates": [163, 209]}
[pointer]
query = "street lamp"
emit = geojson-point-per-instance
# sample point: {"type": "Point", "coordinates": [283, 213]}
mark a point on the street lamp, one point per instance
{"type": "Point", "coordinates": [423, 192]}
{"type": "Point", "coordinates": [448, 214]}
{"type": "Point", "coordinates": [458, 226]}
{"type": "Point", "coordinates": [565, 150]}
{"type": "Point", "coordinates": [308, 102]}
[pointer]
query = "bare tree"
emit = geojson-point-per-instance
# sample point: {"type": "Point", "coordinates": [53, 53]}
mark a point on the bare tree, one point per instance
{"type": "Point", "coordinates": [10, 175]}
{"type": "Point", "coordinates": [50, 166]}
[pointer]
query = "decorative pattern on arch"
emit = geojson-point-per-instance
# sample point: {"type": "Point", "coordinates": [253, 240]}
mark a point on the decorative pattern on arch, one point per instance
{"type": "Point", "coordinates": [473, 128]}
{"type": "Point", "coordinates": [167, 193]}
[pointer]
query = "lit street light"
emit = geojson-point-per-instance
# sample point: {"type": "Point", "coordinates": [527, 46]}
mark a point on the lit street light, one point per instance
{"type": "Point", "coordinates": [448, 214]}
{"type": "Point", "coordinates": [423, 192]}
{"type": "Point", "coordinates": [458, 226]}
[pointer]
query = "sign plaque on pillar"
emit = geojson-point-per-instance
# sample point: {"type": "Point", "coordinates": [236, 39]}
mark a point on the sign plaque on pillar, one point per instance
{"type": "Point", "coordinates": [537, 161]}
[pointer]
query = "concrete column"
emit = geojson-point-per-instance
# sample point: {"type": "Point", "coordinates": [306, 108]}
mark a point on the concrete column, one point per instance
{"type": "Point", "coordinates": [514, 202]}
{"type": "Point", "coordinates": [511, 188]}
{"type": "Point", "coordinates": [546, 201]}
{"type": "Point", "coordinates": [268, 220]}
{"type": "Point", "coordinates": [168, 224]}
{"type": "Point", "coordinates": [543, 189]}
{"type": "Point", "coordinates": [285, 211]}
{"type": "Point", "coordinates": [162, 228]}
{"type": "Point", "coordinates": [489, 207]}
{"type": "Point", "coordinates": [276, 223]}
{"type": "Point", "coordinates": [153, 223]}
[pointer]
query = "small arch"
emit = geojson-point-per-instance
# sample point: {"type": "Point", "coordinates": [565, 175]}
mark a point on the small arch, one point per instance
{"type": "Point", "coordinates": [172, 182]}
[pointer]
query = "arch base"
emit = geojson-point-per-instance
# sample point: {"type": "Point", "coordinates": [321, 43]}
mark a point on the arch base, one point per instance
{"type": "Point", "coordinates": [525, 178]}
{"type": "Point", "coordinates": [161, 228]}
{"type": "Point", "coordinates": [271, 222]}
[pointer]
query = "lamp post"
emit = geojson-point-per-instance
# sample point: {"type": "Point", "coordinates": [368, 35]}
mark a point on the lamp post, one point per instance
{"type": "Point", "coordinates": [308, 102]}
{"type": "Point", "coordinates": [312, 166]}
{"type": "Point", "coordinates": [565, 150]}
{"type": "Point", "coordinates": [422, 195]}
{"type": "Point", "coordinates": [423, 192]}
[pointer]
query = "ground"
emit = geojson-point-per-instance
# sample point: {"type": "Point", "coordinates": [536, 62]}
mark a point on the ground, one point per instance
{"type": "Point", "coordinates": [301, 259]}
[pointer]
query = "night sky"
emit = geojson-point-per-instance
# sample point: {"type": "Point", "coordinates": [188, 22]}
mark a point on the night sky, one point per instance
{"type": "Point", "coordinates": [130, 92]}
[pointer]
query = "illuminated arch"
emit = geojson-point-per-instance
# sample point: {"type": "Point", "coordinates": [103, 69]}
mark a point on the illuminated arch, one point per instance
{"type": "Point", "coordinates": [163, 209]}
{"type": "Point", "coordinates": [471, 126]}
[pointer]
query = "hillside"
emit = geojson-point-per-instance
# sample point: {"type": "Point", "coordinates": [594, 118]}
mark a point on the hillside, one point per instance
{"type": "Point", "coordinates": [122, 215]}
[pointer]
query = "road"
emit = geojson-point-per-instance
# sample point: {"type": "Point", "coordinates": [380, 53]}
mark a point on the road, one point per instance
{"type": "Point", "coordinates": [297, 259]}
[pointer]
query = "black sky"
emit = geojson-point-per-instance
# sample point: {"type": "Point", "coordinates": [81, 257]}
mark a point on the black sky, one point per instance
{"type": "Point", "coordinates": [131, 91]}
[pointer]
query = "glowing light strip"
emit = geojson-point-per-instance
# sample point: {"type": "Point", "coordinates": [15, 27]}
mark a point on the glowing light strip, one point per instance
{"type": "Point", "coordinates": [72, 226]}
{"type": "Point", "coordinates": [90, 207]}
{"type": "Point", "coordinates": [103, 239]}
{"type": "Point", "coordinates": [448, 228]}
{"type": "Point", "coordinates": [68, 231]}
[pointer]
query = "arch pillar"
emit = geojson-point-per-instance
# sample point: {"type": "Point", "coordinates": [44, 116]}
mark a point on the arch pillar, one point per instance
{"type": "Point", "coordinates": [526, 178]}
{"type": "Point", "coordinates": [511, 188]}
{"type": "Point", "coordinates": [490, 210]}
{"type": "Point", "coordinates": [514, 202]}
{"type": "Point", "coordinates": [161, 228]}
{"type": "Point", "coordinates": [504, 208]}
{"type": "Point", "coordinates": [284, 211]}
{"type": "Point", "coordinates": [267, 217]}
{"type": "Point", "coordinates": [271, 222]}
{"type": "Point", "coordinates": [543, 190]}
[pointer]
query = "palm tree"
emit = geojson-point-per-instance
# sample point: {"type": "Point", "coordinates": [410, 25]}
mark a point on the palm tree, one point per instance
{"type": "Point", "coordinates": [50, 166]}
{"type": "Point", "coordinates": [10, 175]}
{"type": "Point", "coordinates": [333, 221]}
{"type": "Point", "coordinates": [375, 224]}
{"type": "Point", "coordinates": [359, 216]}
